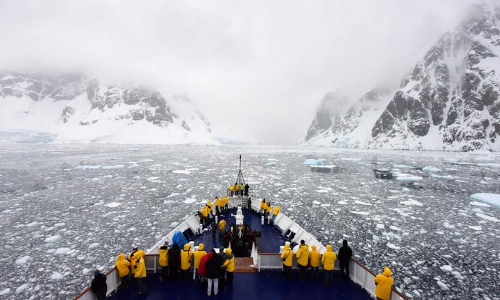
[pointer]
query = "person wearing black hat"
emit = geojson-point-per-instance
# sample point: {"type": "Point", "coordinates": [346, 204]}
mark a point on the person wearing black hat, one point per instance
{"type": "Point", "coordinates": [344, 256]}
{"type": "Point", "coordinates": [99, 286]}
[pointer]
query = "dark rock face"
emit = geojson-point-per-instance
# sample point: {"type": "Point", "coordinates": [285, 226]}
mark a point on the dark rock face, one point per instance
{"type": "Point", "coordinates": [450, 89]}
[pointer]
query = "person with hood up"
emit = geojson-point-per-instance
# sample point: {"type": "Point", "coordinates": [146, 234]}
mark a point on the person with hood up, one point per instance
{"type": "Point", "coordinates": [229, 265]}
{"type": "Point", "coordinates": [174, 254]}
{"type": "Point", "coordinates": [328, 261]}
{"type": "Point", "coordinates": [384, 284]}
{"type": "Point", "coordinates": [186, 259]}
{"type": "Point", "coordinates": [276, 211]}
{"type": "Point", "coordinates": [198, 255]}
{"type": "Point", "coordinates": [163, 251]}
{"type": "Point", "coordinates": [99, 285]}
{"type": "Point", "coordinates": [221, 204]}
{"type": "Point", "coordinates": [222, 228]}
{"type": "Point", "coordinates": [123, 267]}
{"type": "Point", "coordinates": [140, 272]}
{"type": "Point", "coordinates": [217, 205]}
{"type": "Point", "coordinates": [213, 266]}
{"type": "Point", "coordinates": [287, 258]}
{"type": "Point", "coordinates": [302, 259]}
{"type": "Point", "coordinates": [231, 190]}
{"type": "Point", "coordinates": [314, 258]}
{"type": "Point", "coordinates": [345, 254]}
{"type": "Point", "coordinates": [204, 215]}
{"type": "Point", "coordinates": [202, 267]}
{"type": "Point", "coordinates": [262, 206]}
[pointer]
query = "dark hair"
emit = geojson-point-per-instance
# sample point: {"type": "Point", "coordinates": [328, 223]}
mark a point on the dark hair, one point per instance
{"type": "Point", "coordinates": [302, 242]}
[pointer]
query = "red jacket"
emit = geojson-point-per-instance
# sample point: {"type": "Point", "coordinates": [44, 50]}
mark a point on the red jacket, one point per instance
{"type": "Point", "coordinates": [201, 269]}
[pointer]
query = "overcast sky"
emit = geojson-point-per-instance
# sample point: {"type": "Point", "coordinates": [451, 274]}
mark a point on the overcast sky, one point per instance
{"type": "Point", "coordinates": [260, 67]}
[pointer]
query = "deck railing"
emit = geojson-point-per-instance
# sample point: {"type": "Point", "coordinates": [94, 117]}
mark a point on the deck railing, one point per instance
{"type": "Point", "coordinates": [359, 273]}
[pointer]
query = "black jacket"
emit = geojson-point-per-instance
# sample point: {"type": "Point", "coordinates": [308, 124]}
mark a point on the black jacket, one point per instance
{"type": "Point", "coordinates": [213, 267]}
{"type": "Point", "coordinates": [99, 283]}
{"type": "Point", "coordinates": [345, 254]}
{"type": "Point", "coordinates": [174, 256]}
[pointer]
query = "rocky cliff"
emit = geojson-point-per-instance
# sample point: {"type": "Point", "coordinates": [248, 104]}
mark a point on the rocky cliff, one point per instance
{"type": "Point", "coordinates": [450, 100]}
{"type": "Point", "coordinates": [79, 108]}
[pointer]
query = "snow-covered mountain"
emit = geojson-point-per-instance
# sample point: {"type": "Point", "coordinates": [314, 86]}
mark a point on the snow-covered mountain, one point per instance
{"type": "Point", "coordinates": [333, 127]}
{"type": "Point", "coordinates": [450, 101]}
{"type": "Point", "coordinates": [78, 108]}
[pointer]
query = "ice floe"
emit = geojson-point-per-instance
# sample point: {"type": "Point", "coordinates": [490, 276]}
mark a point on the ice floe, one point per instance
{"type": "Point", "coordinates": [56, 276]}
{"type": "Point", "coordinates": [190, 200]}
{"type": "Point", "coordinates": [181, 172]}
{"type": "Point", "coordinates": [23, 260]}
{"type": "Point", "coordinates": [53, 239]}
{"type": "Point", "coordinates": [411, 202]}
{"type": "Point", "coordinates": [431, 169]}
{"type": "Point", "coordinates": [392, 246]}
{"type": "Point", "coordinates": [493, 199]}
{"type": "Point", "coordinates": [363, 213]}
{"type": "Point", "coordinates": [475, 203]}
{"type": "Point", "coordinates": [311, 161]}
{"type": "Point", "coordinates": [476, 228]}
{"type": "Point", "coordinates": [113, 204]}
{"type": "Point", "coordinates": [486, 217]}
{"type": "Point", "coordinates": [22, 288]}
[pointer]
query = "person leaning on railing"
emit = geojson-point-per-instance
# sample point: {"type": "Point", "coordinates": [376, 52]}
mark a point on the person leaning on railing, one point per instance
{"type": "Point", "coordinates": [384, 284]}
{"type": "Point", "coordinates": [163, 251]}
{"type": "Point", "coordinates": [302, 259]}
{"type": "Point", "coordinates": [328, 261]}
{"type": "Point", "coordinates": [123, 267]}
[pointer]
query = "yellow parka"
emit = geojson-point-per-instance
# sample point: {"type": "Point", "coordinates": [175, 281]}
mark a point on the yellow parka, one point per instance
{"type": "Point", "coordinates": [198, 255]}
{"type": "Point", "coordinates": [209, 204]}
{"type": "Point", "coordinates": [384, 283]}
{"type": "Point", "coordinates": [328, 259]}
{"type": "Point", "coordinates": [222, 200]}
{"type": "Point", "coordinates": [303, 255]}
{"type": "Point", "coordinates": [222, 225]}
{"type": "Point", "coordinates": [122, 265]}
{"type": "Point", "coordinates": [287, 256]}
{"type": "Point", "coordinates": [163, 251]}
{"type": "Point", "coordinates": [268, 208]}
{"type": "Point", "coordinates": [140, 266]}
{"type": "Point", "coordinates": [186, 257]}
{"type": "Point", "coordinates": [276, 210]}
{"type": "Point", "coordinates": [217, 202]}
{"type": "Point", "coordinates": [314, 257]}
{"type": "Point", "coordinates": [236, 187]}
{"type": "Point", "coordinates": [231, 187]}
{"type": "Point", "coordinates": [205, 211]}
{"type": "Point", "coordinates": [229, 263]}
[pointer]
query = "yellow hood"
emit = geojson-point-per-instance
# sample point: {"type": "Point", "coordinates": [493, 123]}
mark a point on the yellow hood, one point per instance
{"type": "Point", "coordinates": [329, 248]}
{"type": "Point", "coordinates": [187, 247]}
{"type": "Point", "coordinates": [201, 246]}
{"type": "Point", "coordinates": [228, 251]}
{"type": "Point", "coordinates": [313, 247]}
{"type": "Point", "coordinates": [287, 247]}
{"type": "Point", "coordinates": [120, 256]}
{"type": "Point", "coordinates": [387, 272]}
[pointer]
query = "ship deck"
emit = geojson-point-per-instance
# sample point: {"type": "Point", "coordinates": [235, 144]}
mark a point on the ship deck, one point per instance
{"type": "Point", "coordinates": [262, 285]}
{"type": "Point", "coordinates": [269, 242]}
{"type": "Point", "coordinates": [248, 283]}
